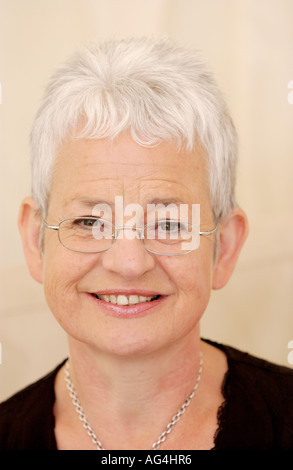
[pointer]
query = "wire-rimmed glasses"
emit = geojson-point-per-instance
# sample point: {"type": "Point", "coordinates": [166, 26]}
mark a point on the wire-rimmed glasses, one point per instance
{"type": "Point", "coordinates": [91, 234]}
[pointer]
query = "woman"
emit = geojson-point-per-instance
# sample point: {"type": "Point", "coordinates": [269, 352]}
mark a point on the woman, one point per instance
{"type": "Point", "coordinates": [140, 122]}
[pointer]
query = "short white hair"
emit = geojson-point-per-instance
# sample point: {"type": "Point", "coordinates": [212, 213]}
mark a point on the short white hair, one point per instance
{"type": "Point", "coordinates": [155, 89]}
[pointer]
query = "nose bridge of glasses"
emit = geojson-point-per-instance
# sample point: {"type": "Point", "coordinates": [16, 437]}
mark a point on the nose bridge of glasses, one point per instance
{"type": "Point", "coordinates": [130, 233]}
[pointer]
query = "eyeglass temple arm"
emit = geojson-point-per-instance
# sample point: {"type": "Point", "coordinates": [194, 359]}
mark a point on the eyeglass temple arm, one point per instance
{"type": "Point", "coordinates": [210, 232]}
{"type": "Point", "coordinates": [53, 227]}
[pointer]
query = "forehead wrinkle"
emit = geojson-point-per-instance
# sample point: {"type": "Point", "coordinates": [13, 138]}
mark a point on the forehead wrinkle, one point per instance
{"type": "Point", "coordinates": [170, 186]}
{"type": "Point", "coordinates": [89, 202]}
{"type": "Point", "coordinates": [100, 183]}
{"type": "Point", "coordinates": [95, 194]}
{"type": "Point", "coordinates": [121, 162]}
{"type": "Point", "coordinates": [167, 180]}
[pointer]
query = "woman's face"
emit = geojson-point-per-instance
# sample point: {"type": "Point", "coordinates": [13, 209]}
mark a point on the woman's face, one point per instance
{"type": "Point", "coordinates": [88, 172]}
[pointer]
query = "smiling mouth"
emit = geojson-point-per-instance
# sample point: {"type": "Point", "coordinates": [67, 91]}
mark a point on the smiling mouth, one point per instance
{"type": "Point", "coordinates": [126, 299]}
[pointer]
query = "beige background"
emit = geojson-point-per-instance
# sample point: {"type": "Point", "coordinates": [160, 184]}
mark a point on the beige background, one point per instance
{"type": "Point", "coordinates": [249, 45]}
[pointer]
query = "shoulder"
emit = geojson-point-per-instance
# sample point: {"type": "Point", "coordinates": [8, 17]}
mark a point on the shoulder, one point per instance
{"type": "Point", "coordinates": [27, 420]}
{"type": "Point", "coordinates": [259, 400]}
{"type": "Point", "coordinates": [244, 366]}
{"type": "Point", "coordinates": [252, 371]}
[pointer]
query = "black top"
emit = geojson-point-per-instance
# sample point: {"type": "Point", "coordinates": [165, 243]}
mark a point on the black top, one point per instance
{"type": "Point", "coordinates": [257, 412]}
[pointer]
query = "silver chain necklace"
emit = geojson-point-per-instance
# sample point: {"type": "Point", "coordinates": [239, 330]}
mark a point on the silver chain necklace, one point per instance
{"type": "Point", "coordinates": [162, 437]}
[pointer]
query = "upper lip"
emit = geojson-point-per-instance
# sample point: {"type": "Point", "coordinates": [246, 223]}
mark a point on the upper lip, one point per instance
{"type": "Point", "coordinates": [127, 292]}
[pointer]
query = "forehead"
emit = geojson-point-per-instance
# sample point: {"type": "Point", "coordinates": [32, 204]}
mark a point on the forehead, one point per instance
{"type": "Point", "coordinates": [88, 171]}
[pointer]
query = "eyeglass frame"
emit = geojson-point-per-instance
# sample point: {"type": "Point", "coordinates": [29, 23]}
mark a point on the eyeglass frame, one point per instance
{"type": "Point", "coordinates": [140, 230]}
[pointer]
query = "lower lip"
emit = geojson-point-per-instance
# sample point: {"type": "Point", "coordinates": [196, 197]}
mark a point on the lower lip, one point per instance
{"type": "Point", "coordinates": [129, 311]}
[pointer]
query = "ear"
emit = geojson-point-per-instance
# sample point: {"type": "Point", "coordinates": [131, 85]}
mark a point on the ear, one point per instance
{"type": "Point", "coordinates": [29, 223]}
{"type": "Point", "coordinates": [233, 233]}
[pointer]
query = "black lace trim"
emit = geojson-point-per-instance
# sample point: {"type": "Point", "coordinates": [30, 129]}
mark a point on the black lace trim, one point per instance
{"type": "Point", "coordinates": [223, 409]}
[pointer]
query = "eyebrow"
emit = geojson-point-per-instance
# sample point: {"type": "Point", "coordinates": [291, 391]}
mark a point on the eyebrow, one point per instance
{"type": "Point", "coordinates": [166, 201]}
{"type": "Point", "coordinates": [89, 202]}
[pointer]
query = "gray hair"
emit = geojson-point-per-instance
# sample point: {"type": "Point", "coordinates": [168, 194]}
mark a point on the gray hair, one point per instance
{"type": "Point", "coordinates": [155, 89]}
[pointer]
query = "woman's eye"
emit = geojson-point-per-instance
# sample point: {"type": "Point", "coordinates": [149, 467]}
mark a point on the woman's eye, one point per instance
{"type": "Point", "coordinates": [87, 223]}
{"type": "Point", "coordinates": [169, 226]}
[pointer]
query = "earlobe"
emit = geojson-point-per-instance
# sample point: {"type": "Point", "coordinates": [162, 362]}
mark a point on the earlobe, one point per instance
{"type": "Point", "coordinates": [29, 223]}
{"type": "Point", "coordinates": [233, 233]}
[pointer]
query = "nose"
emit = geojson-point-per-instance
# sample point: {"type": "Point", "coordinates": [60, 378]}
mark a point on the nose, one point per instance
{"type": "Point", "coordinates": [128, 257]}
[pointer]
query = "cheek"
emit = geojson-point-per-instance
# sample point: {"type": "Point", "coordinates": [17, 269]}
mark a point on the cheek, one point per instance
{"type": "Point", "coordinates": [192, 275]}
{"type": "Point", "coordinates": [61, 274]}
{"type": "Point", "coordinates": [192, 289]}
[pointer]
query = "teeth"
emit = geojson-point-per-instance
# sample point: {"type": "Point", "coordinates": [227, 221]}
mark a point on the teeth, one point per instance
{"type": "Point", "coordinates": [125, 299]}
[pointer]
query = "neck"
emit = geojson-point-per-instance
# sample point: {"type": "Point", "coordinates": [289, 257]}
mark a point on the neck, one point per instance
{"type": "Point", "coordinates": [137, 395]}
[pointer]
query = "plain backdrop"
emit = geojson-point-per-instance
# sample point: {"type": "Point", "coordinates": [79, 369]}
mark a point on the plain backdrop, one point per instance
{"type": "Point", "coordinates": [249, 46]}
